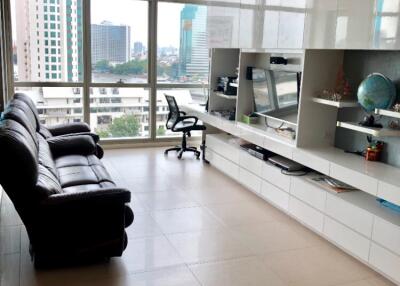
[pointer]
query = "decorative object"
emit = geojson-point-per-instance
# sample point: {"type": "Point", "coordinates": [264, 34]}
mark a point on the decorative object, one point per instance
{"type": "Point", "coordinates": [376, 91]}
{"type": "Point", "coordinates": [374, 151]}
{"type": "Point", "coordinates": [342, 90]}
{"type": "Point", "coordinates": [250, 119]}
{"type": "Point", "coordinates": [396, 107]}
{"type": "Point", "coordinates": [369, 121]}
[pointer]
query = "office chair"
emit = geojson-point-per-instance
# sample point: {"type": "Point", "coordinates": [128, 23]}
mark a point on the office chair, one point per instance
{"type": "Point", "coordinates": [178, 122]}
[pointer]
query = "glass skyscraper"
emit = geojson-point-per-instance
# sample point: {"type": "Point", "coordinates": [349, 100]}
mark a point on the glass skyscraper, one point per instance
{"type": "Point", "coordinates": [193, 51]}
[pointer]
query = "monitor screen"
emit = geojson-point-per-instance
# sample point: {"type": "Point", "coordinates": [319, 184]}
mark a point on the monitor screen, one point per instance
{"type": "Point", "coordinates": [276, 93]}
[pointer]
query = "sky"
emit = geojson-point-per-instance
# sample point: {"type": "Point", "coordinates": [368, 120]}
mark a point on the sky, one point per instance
{"type": "Point", "coordinates": [134, 14]}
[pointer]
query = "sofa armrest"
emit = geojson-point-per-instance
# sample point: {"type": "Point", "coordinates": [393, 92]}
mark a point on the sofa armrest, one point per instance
{"type": "Point", "coordinates": [95, 137]}
{"type": "Point", "coordinates": [75, 127]}
{"type": "Point", "coordinates": [106, 196]}
{"type": "Point", "coordinates": [72, 145]}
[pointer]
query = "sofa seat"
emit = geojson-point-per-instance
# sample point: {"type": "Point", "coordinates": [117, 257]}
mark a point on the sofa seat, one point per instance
{"type": "Point", "coordinates": [79, 170]}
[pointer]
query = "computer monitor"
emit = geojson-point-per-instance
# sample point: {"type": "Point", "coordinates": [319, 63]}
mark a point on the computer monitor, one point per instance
{"type": "Point", "coordinates": [276, 93]}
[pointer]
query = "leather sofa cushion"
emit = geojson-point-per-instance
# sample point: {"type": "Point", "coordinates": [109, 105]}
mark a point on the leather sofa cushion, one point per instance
{"type": "Point", "coordinates": [89, 187]}
{"type": "Point", "coordinates": [77, 170]}
{"type": "Point", "coordinates": [77, 160]}
{"type": "Point", "coordinates": [47, 184]}
{"type": "Point", "coordinates": [45, 157]}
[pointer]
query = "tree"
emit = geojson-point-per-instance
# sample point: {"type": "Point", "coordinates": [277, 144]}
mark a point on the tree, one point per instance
{"type": "Point", "coordinates": [103, 66]}
{"type": "Point", "coordinates": [161, 131]}
{"type": "Point", "coordinates": [131, 67]}
{"type": "Point", "coordinates": [124, 126]}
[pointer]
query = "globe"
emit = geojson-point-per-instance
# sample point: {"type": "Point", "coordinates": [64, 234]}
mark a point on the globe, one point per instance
{"type": "Point", "coordinates": [376, 91]}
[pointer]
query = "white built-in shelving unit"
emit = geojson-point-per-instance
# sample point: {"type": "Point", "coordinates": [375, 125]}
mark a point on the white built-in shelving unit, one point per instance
{"type": "Point", "coordinates": [338, 104]}
{"type": "Point", "coordinates": [389, 113]}
{"type": "Point", "coordinates": [374, 131]}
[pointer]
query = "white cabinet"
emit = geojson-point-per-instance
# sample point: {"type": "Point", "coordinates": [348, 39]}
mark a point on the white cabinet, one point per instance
{"type": "Point", "coordinates": [308, 192]}
{"type": "Point", "coordinates": [250, 163]}
{"type": "Point", "coordinates": [320, 24]}
{"type": "Point", "coordinates": [306, 214]}
{"type": "Point", "coordinates": [388, 192]}
{"type": "Point", "coordinates": [388, 234]}
{"type": "Point", "coordinates": [275, 195]}
{"type": "Point", "coordinates": [347, 238]}
{"type": "Point", "coordinates": [249, 180]}
{"type": "Point", "coordinates": [385, 261]}
{"type": "Point", "coordinates": [355, 24]}
{"type": "Point", "coordinates": [349, 214]}
{"type": "Point", "coordinates": [219, 144]}
{"type": "Point", "coordinates": [223, 164]}
{"type": "Point", "coordinates": [311, 161]}
{"type": "Point", "coordinates": [273, 175]}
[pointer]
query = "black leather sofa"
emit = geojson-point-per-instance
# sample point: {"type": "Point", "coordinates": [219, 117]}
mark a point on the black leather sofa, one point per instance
{"type": "Point", "coordinates": [70, 206]}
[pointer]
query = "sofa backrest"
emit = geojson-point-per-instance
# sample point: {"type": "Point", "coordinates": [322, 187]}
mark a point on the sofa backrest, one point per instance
{"type": "Point", "coordinates": [29, 102]}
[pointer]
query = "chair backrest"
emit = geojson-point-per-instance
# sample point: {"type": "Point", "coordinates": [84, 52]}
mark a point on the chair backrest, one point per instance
{"type": "Point", "coordinates": [174, 113]}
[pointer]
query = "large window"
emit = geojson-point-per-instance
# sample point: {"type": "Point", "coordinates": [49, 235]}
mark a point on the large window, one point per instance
{"type": "Point", "coordinates": [90, 60]}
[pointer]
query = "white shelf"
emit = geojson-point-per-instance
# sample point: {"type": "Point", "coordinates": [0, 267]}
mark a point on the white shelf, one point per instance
{"type": "Point", "coordinates": [338, 104]}
{"type": "Point", "coordinates": [234, 84]}
{"type": "Point", "coordinates": [377, 132]}
{"type": "Point", "coordinates": [388, 113]}
{"type": "Point", "coordinates": [220, 94]}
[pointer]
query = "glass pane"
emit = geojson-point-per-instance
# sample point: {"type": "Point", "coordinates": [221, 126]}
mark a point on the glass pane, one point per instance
{"type": "Point", "coordinates": [182, 96]}
{"type": "Point", "coordinates": [119, 112]}
{"type": "Point", "coordinates": [56, 105]}
{"type": "Point", "coordinates": [47, 40]}
{"type": "Point", "coordinates": [119, 32]}
{"type": "Point", "coordinates": [182, 54]}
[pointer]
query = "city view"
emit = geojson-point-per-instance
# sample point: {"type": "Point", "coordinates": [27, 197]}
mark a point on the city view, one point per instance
{"type": "Point", "coordinates": [48, 41]}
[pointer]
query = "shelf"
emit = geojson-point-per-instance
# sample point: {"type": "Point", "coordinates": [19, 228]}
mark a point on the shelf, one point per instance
{"type": "Point", "coordinates": [234, 84]}
{"type": "Point", "coordinates": [220, 94]}
{"type": "Point", "coordinates": [377, 132]}
{"type": "Point", "coordinates": [388, 113]}
{"type": "Point", "coordinates": [338, 104]}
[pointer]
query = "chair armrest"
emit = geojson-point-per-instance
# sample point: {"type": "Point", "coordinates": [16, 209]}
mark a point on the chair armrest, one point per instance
{"type": "Point", "coordinates": [182, 118]}
{"type": "Point", "coordinates": [75, 127]}
{"type": "Point", "coordinates": [72, 145]}
{"type": "Point", "coordinates": [182, 112]}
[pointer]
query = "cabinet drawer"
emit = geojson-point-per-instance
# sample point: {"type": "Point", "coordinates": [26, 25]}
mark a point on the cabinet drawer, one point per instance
{"type": "Point", "coordinates": [308, 193]}
{"type": "Point", "coordinates": [306, 214]}
{"type": "Point", "coordinates": [209, 155]}
{"type": "Point", "coordinates": [387, 234]}
{"type": "Point", "coordinates": [249, 180]}
{"type": "Point", "coordinates": [347, 238]}
{"type": "Point", "coordinates": [223, 148]}
{"type": "Point", "coordinates": [355, 179]}
{"type": "Point", "coordinates": [274, 176]}
{"type": "Point", "coordinates": [275, 195]}
{"type": "Point", "coordinates": [225, 166]}
{"type": "Point", "coordinates": [350, 215]}
{"type": "Point", "coordinates": [385, 261]}
{"type": "Point", "coordinates": [250, 163]}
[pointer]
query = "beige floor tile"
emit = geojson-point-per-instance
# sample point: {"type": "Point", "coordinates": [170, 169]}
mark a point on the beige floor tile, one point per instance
{"type": "Point", "coordinates": [316, 266]}
{"type": "Point", "coordinates": [185, 220]}
{"type": "Point", "coordinates": [150, 254]}
{"type": "Point", "coordinates": [375, 281]}
{"type": "Point", "coordinates": [241, 272]}
{"type": "Point", "coordinates": [143, 226]}
{"type": "Point", "coordinates": [275, 236]}
{"type": "Point", "coordinates": [238, 213]}
{"type": "Point", "coordinates": [174, 276]}
{"type": "Point", "coordinates": [172, 199]}
{"type": "Point", "coordinates": [208, 245]}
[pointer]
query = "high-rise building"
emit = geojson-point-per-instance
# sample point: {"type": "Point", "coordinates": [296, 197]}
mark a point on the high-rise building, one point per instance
{"type": "Point", "coordinates": [49, 41]}
{"type": "Point", "coordinates": [193, 51]}
{"type": "Point", "coordinates": [110, 43]}
{"type": "Point", "coordinates": [138, 48]}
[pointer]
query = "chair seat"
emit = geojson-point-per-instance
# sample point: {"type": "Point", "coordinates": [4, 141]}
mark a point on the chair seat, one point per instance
{"type": "Point", "coordinates": [188, 126]}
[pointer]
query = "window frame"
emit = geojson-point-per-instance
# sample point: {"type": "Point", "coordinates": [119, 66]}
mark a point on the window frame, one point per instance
{"type": "Point", "coordinates": [87, 84]}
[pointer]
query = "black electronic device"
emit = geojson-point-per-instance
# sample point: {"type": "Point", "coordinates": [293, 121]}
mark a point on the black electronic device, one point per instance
{"type": "Point", "coordinates": [278, 61]}
{"type": "Point", "coordinates": [257, 151]}
{"type": "Point", "coordinates": [224, 85]}
{"type": "Point", "coordinates": [249, 73]}
{"type": "Point", "coordinates": [286, 164]}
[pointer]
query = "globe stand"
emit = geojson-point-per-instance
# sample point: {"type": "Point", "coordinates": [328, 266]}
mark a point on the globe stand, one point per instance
{"type": "Point", "coordinates": [369, 121]}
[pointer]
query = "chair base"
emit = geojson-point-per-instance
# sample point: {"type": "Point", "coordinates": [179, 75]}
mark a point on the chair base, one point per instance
{"type": "Point", "coordinates": [181, 149]}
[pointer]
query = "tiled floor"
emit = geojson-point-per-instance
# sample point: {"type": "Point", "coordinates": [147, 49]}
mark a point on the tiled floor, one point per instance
{"type": "Point", "coordinates": [193, 226]}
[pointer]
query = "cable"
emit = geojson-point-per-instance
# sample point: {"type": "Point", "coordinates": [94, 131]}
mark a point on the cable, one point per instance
{"type": "Point", "coordinates": [295, 173]}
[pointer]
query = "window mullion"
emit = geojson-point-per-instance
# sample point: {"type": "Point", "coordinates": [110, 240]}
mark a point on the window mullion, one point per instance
{"type": "Point", "coordinates": [87, 74]}
{"type": "Point", "coordinates": [153, 7]}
